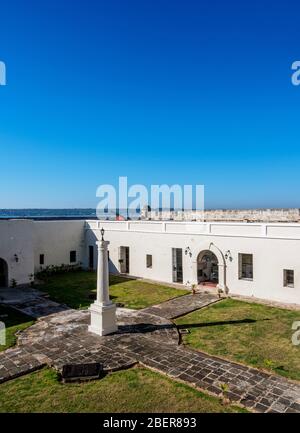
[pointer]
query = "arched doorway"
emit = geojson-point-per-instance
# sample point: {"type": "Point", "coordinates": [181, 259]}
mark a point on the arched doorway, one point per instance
{"type": "Point", "coordinates": [207, 268]}
{"type": "Point", "coordinates": [218, 258]}
{"type": "Point", "coordinates": [3, 273]}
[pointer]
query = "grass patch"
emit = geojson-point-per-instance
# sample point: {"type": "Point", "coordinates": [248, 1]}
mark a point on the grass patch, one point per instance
{"type": "Point", "coordinates": [75, 288]}
{"type": "Point", "coordinates": [249, 333]}
{"type": "Point", "coordinates": [14, 321]}
{"type": "Point", "coordinates": [134, 390]}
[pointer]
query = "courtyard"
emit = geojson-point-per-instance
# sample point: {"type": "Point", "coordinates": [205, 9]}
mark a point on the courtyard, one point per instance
{"type": "Point", "coordinates": [133, 390]}
{"type": "Point", "coordinates": [78, 289]}
{"type": "Point", "coordinates": [249, 333]}
{"type": "Point", "coordinates": [197, 345]}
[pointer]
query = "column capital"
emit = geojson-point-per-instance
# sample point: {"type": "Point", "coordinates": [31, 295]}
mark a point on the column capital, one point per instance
{"type": "Point", "coordinates": [102, 244]}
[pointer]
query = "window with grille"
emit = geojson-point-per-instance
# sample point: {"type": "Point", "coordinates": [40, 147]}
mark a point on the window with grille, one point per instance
{"type": "Point", "coordinates": [245, 266]}
{"type": "Point", "coordinates": [177, 265]}
{"type": "Point", "coordinates": [288, 278]}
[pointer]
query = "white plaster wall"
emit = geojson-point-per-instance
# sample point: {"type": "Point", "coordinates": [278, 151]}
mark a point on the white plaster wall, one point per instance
{"type": "Point", "coordinates": [28, 239]}
{"type": "Point", "coordinates": [16, 238]}
{"type": "Point", "coordinates": [270, 255]}
{"type": "Point", "coordinates": [274, 247]}
{"type": "Point", "coordinates": [55, 239]}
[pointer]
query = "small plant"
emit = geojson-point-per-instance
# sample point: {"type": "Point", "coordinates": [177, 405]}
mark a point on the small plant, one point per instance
{"type": "Point", "coordinates": [269, 364]}
{"type": "Point", "coordinates": [193, 287]}
{"type": "Point", "coordinates": [13, 283]}
{"type": "Point", "coordinates": [224, 387]}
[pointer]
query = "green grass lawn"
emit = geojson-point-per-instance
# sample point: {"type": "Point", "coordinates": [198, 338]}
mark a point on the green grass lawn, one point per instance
{"type": "Point", "coordinates": [134, 390]}
{"type": "Point", "coordinates": [249, 333]}
{"type": "Point", "coordinates": [75, 288]}
{"type": "Point", "coordinates": [14, 321]}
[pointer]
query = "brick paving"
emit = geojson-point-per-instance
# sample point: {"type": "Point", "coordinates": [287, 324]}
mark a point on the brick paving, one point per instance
{"type": "Point", "coordinates": [182, 305]}
{"type": "Point", "coordinates": [152, 340]}
{"type": "Point", "coordinates": [249, 387]}
{"type": "Point", "coordinates": [30, 301]}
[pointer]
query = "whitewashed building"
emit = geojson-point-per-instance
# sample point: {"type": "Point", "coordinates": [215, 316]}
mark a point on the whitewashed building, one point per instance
{"type": "Point", "coordinates": [249, 259]}
{"type": "Point", "coordinates": [26, 246]}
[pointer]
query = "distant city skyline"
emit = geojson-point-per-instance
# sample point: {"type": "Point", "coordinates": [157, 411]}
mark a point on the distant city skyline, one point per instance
{"type": "Point", "coordinates": [163, 92]}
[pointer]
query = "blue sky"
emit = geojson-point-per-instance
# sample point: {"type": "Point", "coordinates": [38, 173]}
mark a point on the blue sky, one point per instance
{"type": "Point", "coordinates": [188, 92]}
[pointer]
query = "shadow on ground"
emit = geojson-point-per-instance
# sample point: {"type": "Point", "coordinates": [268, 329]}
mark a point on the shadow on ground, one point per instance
{"type": "Point", "coordinates": [220, 323]}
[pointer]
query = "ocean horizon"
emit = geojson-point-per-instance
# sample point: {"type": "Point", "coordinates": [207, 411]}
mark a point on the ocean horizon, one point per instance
{"type": "Point", "coordinates": [42, 213]}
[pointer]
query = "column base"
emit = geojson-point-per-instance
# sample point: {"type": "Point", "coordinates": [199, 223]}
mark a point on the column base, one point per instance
{"type": "Point", "coordinates": [103, 319]}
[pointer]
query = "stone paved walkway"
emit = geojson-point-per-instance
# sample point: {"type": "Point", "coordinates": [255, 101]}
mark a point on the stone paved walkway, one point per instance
{"type": "Point", "coordinates": [182, 305]}
{"type": "Point", "coordinates": [30, 301]}
{"type": "Point", "coordinates": [152, 340]}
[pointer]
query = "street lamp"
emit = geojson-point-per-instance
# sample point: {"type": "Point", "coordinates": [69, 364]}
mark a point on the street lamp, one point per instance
{"type": "Point", "coordinates": [102, 234]}
{"type": "Point", "coordinates": [228, 255]}
{"type": "Point", "coordinates": [188, 251]}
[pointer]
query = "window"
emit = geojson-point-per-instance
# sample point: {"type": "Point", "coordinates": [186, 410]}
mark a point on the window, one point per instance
{"type": "Point", "coordinates": [72, 256]}
{"type": "Point", "coordinates": [42, 259]}
{"type": "Point", "coordinates": [91, 256]}
{"type": "Point", "coordinates": [177, 265]}
{"type": "Point", "coordinates": [288, 278]}
{"type": "Point", "coordinates": [124, 260]}
{"type": "Point", "coordinates": [245, 266]}
{"type": "Point", "coordinates": [149, 260]}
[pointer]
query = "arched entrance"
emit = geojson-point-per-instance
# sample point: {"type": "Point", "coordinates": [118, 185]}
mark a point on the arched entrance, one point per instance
{"type": "Point", "coordinates": [3, 273]}
{"type": "Point", "coordinates": [217, 258]}
{"type": "Point", "coordinates": [207, 268]}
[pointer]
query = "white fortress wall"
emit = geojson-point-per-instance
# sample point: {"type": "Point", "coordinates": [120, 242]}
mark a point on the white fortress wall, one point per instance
{"type": "Point", "coordinates": [28, 239]}
{"type": "Point", "coordinates": [55, 239]}
{"type": "Point", "coordinates": [16, 248]}
{"type": "Point", "coordinates": [252, 215]}
{"type": "Point", "coordinates": [275, 247]}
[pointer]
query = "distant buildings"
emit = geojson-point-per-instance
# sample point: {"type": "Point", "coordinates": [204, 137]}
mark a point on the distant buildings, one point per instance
{"type": "Point", "coordinates": [243, 215]}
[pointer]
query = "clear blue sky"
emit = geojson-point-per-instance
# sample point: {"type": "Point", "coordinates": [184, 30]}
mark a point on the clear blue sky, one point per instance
{"type": "Point", "coordinates": [160, 91]}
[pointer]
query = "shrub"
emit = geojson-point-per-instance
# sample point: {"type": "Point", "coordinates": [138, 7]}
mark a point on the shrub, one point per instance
{"type": "Point", "coordinates": [13, 283]}
{"type": "Point", "coordinates": [48, 271]}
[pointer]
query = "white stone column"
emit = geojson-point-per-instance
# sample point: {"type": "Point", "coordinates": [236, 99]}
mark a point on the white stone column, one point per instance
{"type": "Point", "coordinates": [102, 274]}
{"type": "Point", "coordinates": [103, 311]}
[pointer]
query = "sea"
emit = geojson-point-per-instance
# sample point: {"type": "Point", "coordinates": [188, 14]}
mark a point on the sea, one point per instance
{"type": "Point", "coordinates": [55, 214]}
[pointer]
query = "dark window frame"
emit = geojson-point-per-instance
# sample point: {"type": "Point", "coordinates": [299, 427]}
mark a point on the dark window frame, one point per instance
{"type": "Point", "coordinates": [288, 278]}
{"type": "Point", "coordinates": [91, 256]}
{"type": "Point", "coordinates": [246, 266]}
{"type": "Point", "coordinates": [73, 256]}
{"type": "Point", "coordinates": [149, 261]}
{"type": "Point", "coordinates": [177, 265]}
